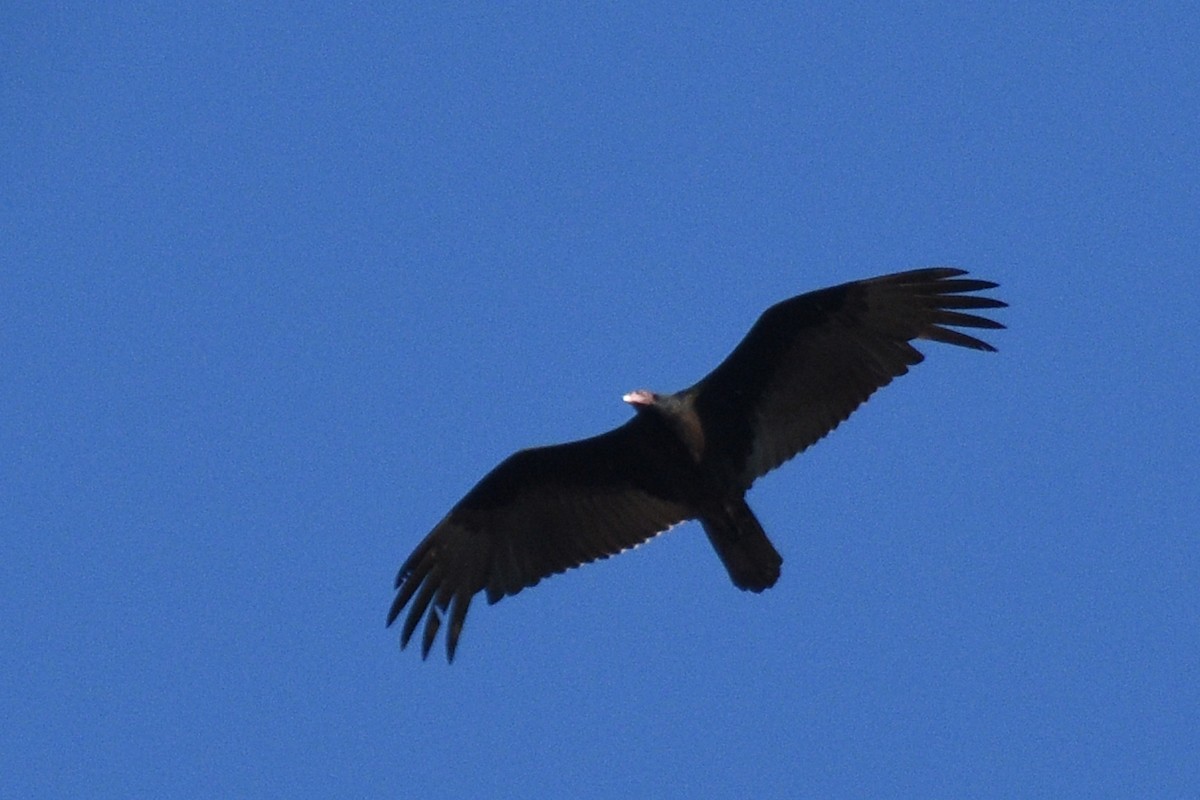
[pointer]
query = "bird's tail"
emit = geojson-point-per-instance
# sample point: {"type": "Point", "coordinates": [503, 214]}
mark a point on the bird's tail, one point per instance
{"type": "Point", "coordinates": [742, 544]}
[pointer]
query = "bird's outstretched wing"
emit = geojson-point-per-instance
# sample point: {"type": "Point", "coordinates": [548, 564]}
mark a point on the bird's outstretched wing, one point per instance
{"type": "Point", "coordinates": [808, 362]}
{"type": "Point", "coordinates": [540, 511]}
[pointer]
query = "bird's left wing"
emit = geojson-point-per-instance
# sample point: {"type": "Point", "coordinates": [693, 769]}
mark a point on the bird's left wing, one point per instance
{"type": "Point", "coordinates": [808, 362]}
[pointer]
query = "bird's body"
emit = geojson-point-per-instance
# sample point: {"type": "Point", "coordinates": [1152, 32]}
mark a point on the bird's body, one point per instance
{"type": "Point", "coordinates": [805, 365]}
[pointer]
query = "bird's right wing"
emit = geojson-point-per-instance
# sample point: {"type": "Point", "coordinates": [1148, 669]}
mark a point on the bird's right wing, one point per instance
{"type": "Point", "coordinates": [539, 512]}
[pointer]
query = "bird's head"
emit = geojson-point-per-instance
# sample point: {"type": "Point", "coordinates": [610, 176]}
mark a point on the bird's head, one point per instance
{"type": "Point", "coordinates": [641, 399]}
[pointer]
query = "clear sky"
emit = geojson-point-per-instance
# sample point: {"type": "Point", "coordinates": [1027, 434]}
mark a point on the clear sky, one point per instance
{"type": "Point", "coordinates": [280, 284]}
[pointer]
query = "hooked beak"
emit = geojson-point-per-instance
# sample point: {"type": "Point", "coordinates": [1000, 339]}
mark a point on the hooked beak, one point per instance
{"type": "Point", "coordinates": [641, 397]}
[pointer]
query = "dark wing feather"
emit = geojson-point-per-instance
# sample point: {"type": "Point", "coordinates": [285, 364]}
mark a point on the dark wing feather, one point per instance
{"type": "Point", "coordinates": [808, 362]}
{"type": "Point", "coordinates": [539, 512]}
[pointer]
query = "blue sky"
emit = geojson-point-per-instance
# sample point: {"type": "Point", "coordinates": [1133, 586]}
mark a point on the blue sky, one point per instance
{"type": "Point", "coordinates": [282, 282]}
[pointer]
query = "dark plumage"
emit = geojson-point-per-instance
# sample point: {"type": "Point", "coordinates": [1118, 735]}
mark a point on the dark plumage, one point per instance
{"type": "Point", "coordinates": [805, 365]}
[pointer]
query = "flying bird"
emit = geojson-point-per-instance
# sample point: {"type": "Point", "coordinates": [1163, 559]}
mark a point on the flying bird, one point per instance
{"type": "Point", "coordinates": [805, 365]}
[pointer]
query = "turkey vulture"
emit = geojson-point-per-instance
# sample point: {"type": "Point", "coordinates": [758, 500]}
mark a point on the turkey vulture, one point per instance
{"type": "Point", "coordinates": [805, 365]}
